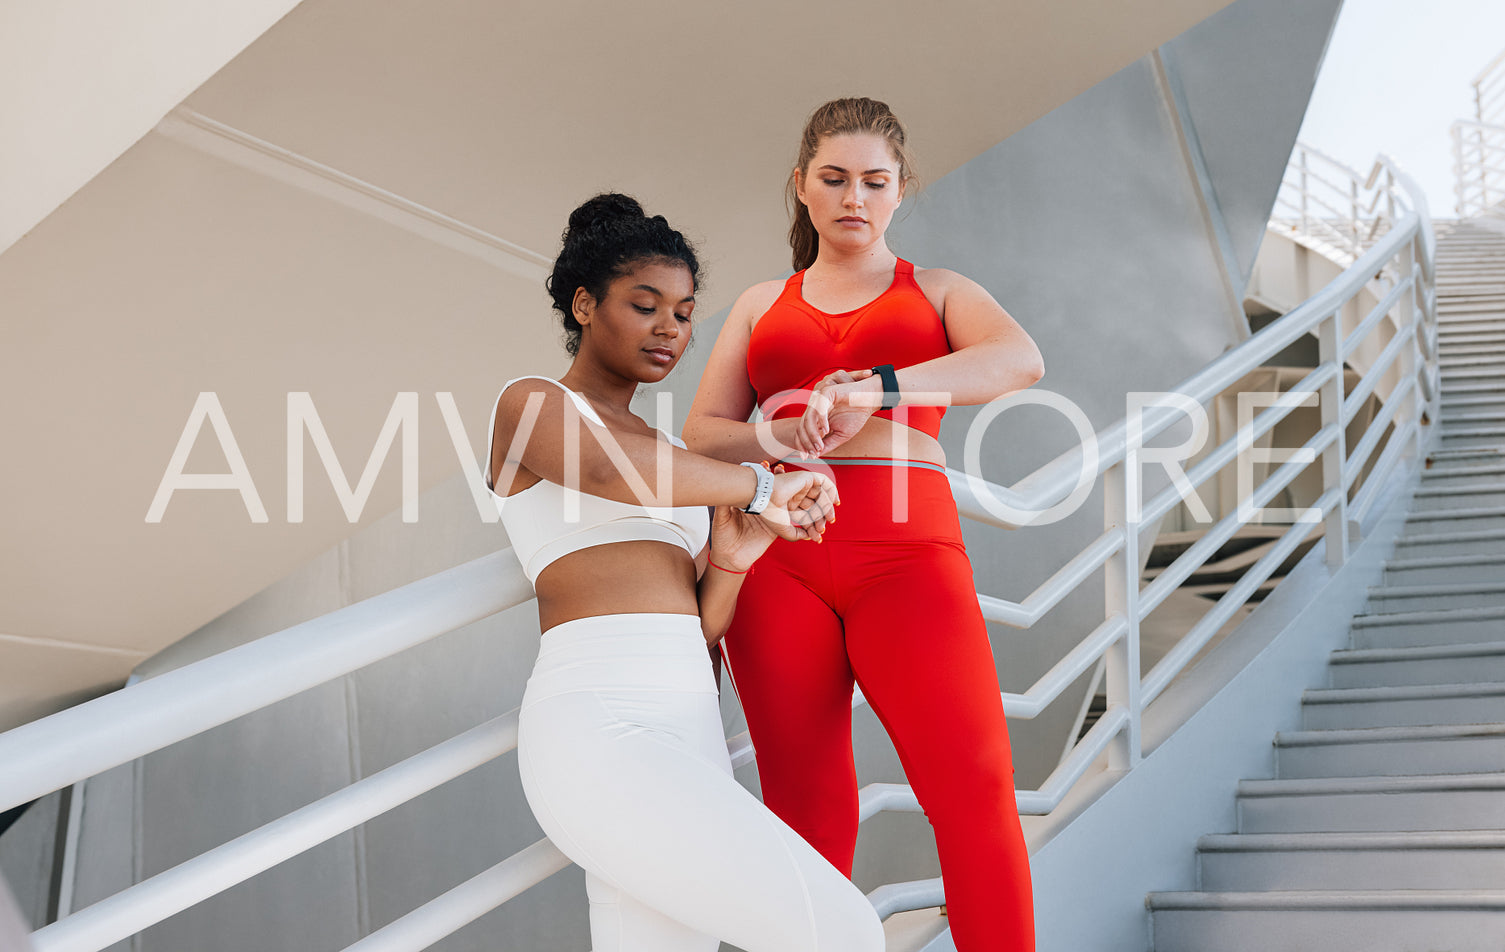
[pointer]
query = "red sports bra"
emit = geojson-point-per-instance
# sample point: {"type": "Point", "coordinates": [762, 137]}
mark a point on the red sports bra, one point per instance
{"type": "Point", "coordinates": [794, 345]}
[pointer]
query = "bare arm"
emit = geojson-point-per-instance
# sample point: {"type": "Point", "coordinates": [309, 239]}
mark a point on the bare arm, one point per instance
{"type": "Point", "coordinates": [991, 355]}
{"type": "Point", "coordinates": [736, 542]}
{"type": "Point", "coordinates": [718, 422]}
{"type": "Point", "coordinates": [536, 423]}
{"type": "Point", "coordinates": [540, 430]}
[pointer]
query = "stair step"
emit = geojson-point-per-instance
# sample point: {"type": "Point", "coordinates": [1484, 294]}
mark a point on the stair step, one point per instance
{"type": "Point", "coordinates": [1480, 542]}
{"type": "Point", "coordinates": [1480, 412]}
{"type": "Point", "coordinates": [1477, 298]}
{"type": "Point", "coordinates": [1453, 473]}
{"type": "Point", "coordinates": [1451, 361]}
{"type": "Point", "coordinates": [1338, 921]}
{"type": "Point", "coordinates": [1453, 339]}
{"type": "Point", "coordinates": [1481, 302]}
{"type": "Point", "coordinates": [1474, 438]}
{"type": "Point", "coordinates": [1449, 569]}
{"type": "Point", "coordinates": [1472, 403]}
{"type": "Point", "coordinates": [1372, 804]}
{"type": "Point", "coordinates": [1459, 384]}
{"type": "Point", "coordinates": [1351, 861]}
{"type": "Point", "coordinates": [1409, 706]}
{"type": "Point", "coordinates": [1445, 461]}
{"type": "Point", "coordinates": [1458, 352]}
{"type": "Point", "coordinates": [1392, 601]}
{"type": "Point", "coordinates": [1467, 322]}
{"type": "Point", "coordinates": [1465, 289]}
{"type": "Point", "coordinates": [1488, 491]}
{"type": "Point", "coordinates": [1391, 751]}
{"type": "Point", "coordinates": [1475, 421]}
{"type": "Point", "coordinates": [1470, 663]}
{"type": "Point", "coordinates": [1476, 519]}
{"type": "Point", "coordinates": [1483, 372]}
{"type": "Point", "coordinates": [1454, 427]}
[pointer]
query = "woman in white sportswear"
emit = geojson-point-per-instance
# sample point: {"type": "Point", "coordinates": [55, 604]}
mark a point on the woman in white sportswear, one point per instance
{"type": "Point", "coordinates": [636, 549]}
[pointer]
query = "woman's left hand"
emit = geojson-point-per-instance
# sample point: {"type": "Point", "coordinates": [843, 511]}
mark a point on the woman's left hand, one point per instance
{"type": "Point", "coordinates": [737, 538]}
{"type": "Point", "coordinates": [839, 407]}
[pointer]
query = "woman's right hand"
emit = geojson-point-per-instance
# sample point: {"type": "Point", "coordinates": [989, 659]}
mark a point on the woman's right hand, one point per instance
{"type": "Point", "coordinates": [801, 505]}
{"type": "Point", "coordinates": [839, 407]}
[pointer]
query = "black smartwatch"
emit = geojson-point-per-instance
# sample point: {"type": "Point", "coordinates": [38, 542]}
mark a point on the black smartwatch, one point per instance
{"type": "Point", "coordinates": [890, 385]}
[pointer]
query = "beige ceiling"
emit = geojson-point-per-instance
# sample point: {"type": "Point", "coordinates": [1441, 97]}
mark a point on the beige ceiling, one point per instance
{"type": "Point", "coordinates": [200, 263]}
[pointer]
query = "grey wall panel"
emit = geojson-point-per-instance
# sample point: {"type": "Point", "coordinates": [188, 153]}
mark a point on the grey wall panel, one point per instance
{"type": "Point", "coordinates": [202, 792]}
{"type": "Point", "coordinates": [28, 852]}
{"type": "Point", "coordinates": [107, 837]}
{"type": "Point", "coordinates": [1248, 72]}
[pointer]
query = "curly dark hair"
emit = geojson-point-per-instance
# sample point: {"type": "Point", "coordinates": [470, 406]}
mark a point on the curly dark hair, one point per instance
{"type": "Point", "coordinates": [607, 236]}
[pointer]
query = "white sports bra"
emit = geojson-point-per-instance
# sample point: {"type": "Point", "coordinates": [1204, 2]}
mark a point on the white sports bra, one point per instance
{"type": "Point", "coordinates": [546, 521]}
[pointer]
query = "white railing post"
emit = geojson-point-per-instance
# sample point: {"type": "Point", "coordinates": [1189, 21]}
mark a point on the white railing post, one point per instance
{"type": "Point", "coordinates": [1409, 316]}
{"type": "Point", "coordinates": [1389, 198]}
{"type": "Point", "coordinates": [1479, 154]}
{"type": "Point", "coordinates": [1330, 353]}
{"type": "Point", "coordinates": [1458, 171]}
{"type": "Point", "coordinates": [1353, 217]}
{"type": "Point", "coordinates": [1121, 597]}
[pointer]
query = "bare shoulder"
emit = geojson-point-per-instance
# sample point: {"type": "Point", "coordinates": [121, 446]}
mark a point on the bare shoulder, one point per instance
{"type": "Point", "coordinates": [942, 286]}
{"type": "Point", "coordinates": [756, 300]}
{"type": "Point", "coordinates": [542, 392]}
{"type": "Point", "coordinates": [937, 282]}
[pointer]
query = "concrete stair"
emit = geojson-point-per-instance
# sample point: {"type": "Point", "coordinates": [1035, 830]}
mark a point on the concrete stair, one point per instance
{"type": "Point", "coordinates": [1383, 829]}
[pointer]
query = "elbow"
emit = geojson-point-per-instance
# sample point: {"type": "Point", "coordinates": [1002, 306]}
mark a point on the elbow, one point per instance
{"type": "Point", "coordinates": [1024, 370]}
{"type": "Point", "coordinates": [693, 433]}
{"type": "Point", "coordinates": [1034, 370]}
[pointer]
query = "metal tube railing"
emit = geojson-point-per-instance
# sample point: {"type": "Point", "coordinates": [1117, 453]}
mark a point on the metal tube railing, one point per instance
{"type": "Point", "coordinates": [467, 902]}
{"type": "Point", "coordinates": [1171, 577]}
{"type": "Point", "coordinates": [1360, 454]}
{"type": "Point", "coordinates": [1478, 167]}
{"type": "Point", "coordinates": [1245, 436]}
{"type": "Point", "coordinates": [89, 739]}
{"type": "Point", "coordinates": [1201, 633]}
{"type": "Point", "coordinates": [85, 740]}
{"type": "Point", "coordinates": [1344, 223]}
{"type": "Point", "coordinates": [150, 901]}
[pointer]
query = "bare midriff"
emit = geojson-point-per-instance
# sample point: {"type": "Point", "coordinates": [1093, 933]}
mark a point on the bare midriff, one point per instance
{"type": "Point", "coordinates": [615, 579]}
{"type": "Point", "coordinates": [885, 439]}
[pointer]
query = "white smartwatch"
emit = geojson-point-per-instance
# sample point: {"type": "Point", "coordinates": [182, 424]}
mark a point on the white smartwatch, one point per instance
{"type": "Point", "coordinates": [765, 489]}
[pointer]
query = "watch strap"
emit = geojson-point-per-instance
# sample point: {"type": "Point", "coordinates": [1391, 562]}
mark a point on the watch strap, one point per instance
{"type": "Point", "coordinates": [890, 385]}
{"type": "Point", "coordinates": [764, 491]}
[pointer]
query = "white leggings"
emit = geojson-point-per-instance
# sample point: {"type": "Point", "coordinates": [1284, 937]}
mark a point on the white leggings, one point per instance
{"type": "Point", "coordinates": [624, 763]}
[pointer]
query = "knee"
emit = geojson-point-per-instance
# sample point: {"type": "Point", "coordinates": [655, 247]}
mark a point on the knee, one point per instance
{"type": "Point", "coordinates": [977, 780]}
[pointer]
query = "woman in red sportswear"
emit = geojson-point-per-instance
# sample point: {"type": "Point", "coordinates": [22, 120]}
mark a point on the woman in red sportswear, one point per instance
{"type": "Point", "coordinates": [852, 360]}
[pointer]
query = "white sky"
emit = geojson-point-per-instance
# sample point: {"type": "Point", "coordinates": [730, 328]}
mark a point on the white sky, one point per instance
{"type": "Point", "coordinates": [1397, 74]}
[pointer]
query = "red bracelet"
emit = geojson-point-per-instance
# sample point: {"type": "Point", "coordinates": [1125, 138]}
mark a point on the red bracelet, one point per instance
{"type": "Point", "coordinates": [746, 571]}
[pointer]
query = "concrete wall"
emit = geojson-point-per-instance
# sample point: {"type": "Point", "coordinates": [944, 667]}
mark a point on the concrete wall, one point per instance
{"type": "Point", "coordinates": [1091, 225]}
{"type": "Point", "coordinates": [87, 79]}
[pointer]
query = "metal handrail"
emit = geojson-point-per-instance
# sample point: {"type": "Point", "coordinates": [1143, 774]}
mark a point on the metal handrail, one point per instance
{"type": "Point", "coordinates": [1478, 167]}
{"type": "Point", "coordinates": [85, 740]}
{"type": "Point", "coordinates": [1489, 91]}
{"type": "Point", "coordinates": [1327, 206]}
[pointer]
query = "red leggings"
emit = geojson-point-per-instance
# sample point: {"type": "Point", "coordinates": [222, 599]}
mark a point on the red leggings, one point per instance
{"type": "Point", "coordinates": [893, 605]}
